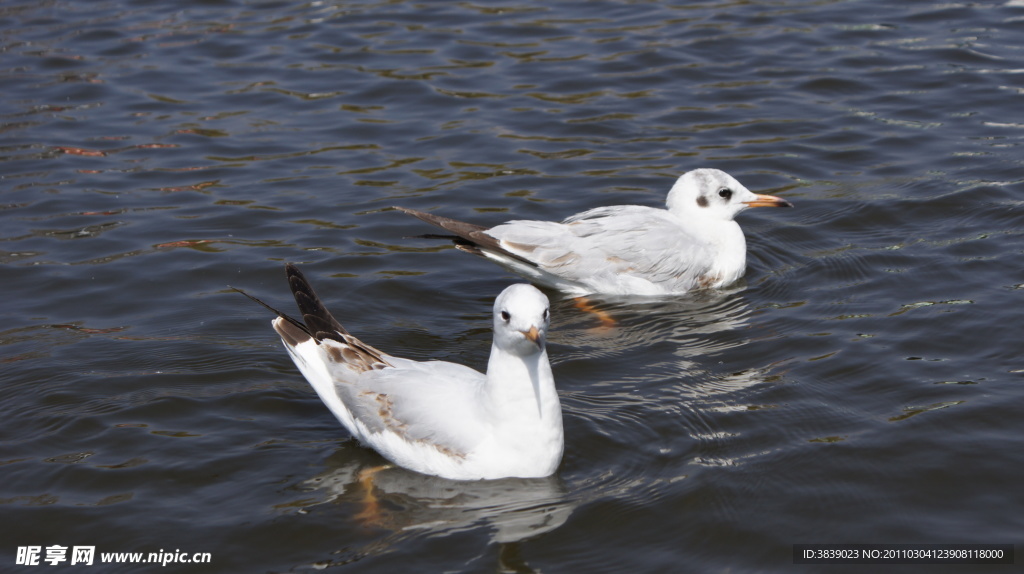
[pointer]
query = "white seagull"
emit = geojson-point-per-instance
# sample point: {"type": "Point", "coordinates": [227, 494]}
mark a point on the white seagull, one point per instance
{"type": "Point", "coordinates": [626, 249]}
{"type": "Point", "coordinates": [435, 417]}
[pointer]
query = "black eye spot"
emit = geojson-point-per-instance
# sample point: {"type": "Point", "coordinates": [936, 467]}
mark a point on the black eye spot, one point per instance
{"type": "Point", "coordinates": [725, 193]}
{"type": "Point", "coordinates": [545, 314]}
{"type": "Point", "coordinates": [505, 316]}
{"type": "Point", "coordinates": [702, 201]}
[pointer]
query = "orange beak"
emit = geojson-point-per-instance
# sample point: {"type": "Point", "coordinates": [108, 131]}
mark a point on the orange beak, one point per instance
{"type": "Point", "coordinates": [768, 201]}
{"type": "Point", "coordinates": [533, 334]}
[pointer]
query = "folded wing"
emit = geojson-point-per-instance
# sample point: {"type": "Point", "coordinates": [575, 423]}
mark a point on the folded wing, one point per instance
{"type": "Point", "coordinates": [621, 248]}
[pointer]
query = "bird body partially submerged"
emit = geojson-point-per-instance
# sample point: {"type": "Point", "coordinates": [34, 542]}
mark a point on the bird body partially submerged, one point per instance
{"type": "Point", "coordinates": [437, 417]}
{"type": "Point", "coordinates": [626, 249]}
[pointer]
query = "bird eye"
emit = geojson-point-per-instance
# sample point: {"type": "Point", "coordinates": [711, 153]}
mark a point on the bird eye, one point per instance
{"type": "Point", "coordinates": [725, 193]}
{"type": "Point", "coordinates": [545, 314]}
{"type": "Point", "coordinates": [505, 316]}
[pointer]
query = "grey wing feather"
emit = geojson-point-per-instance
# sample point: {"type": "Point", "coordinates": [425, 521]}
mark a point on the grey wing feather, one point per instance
{"type": "Point", "coordinates": [406, 398]}
{"type": "Point", "coordinates": [618, 241]}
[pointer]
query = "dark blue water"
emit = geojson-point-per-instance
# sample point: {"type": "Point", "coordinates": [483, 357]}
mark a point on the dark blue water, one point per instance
{"type": "Point", "coordinates": [862, 384]}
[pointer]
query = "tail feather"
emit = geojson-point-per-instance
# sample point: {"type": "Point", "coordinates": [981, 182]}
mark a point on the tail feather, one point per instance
{"type": "Point", "coordinates": [469, 237]}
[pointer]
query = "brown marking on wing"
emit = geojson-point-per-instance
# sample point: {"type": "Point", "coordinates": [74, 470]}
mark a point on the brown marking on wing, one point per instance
{"type": "Point", "coordinates": [563, 259]}
{"type": "Point", "coordinates": [385, 410]}
{"type": "Point", "coordinates": [356, 355]}
{"type": "Point", "coordinates": [708, 280]}
{"type": "Point", "coordinates": [616, 260]}
{"type": "Point", "coordinates": [520, 246]}
{"type": "Point", "coordinates": [291, 334]}
{"type": "Point", "coordinates": [336, 354]}
{"type": "Point", "coordinates": [445, 450]}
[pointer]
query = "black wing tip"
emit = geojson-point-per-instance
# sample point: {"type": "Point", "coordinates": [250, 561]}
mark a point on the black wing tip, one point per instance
{"type": "Point", "coordinates": [292, 269]}
{"type": "Point", "coordinates": [256, 300]}
{"type": "Point", "coordinates": [468, 237]}
{"type": "Point", "coordinates": [293, 321]}
{"type": "Point", "coordinates": [296, 278]}
{"type": "Point", "coordinates": [319, 320]}
{"type": "Point", "coordinates": [421, 215]}
{"type": "Point", "coordinates": [320, 324]}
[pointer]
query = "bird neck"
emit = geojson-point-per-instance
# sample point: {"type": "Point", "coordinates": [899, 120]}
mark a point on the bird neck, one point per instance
{"type": "Point", "coordinates": [723, 233]}
{"type": "Point", "coordinates": [732, 246]}
{"type": "Point", "coordinates": [520, 385]}
{"type": "Point", "coordinates": [726, 240]}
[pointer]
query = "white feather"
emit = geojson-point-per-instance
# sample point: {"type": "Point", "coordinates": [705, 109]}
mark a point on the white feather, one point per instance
{"type": "Point", "coordinates": [630, 249]}
{"type": "Point", "coordinates": [446, 419]}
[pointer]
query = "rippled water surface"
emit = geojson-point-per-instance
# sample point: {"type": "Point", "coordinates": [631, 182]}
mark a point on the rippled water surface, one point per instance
{"type": "Point", "coordinates": [863, 383]}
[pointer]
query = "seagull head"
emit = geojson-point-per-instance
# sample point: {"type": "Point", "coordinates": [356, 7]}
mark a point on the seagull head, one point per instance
{"type": "Point", "coordinates": [712, 193]}
{"type": "Point", "coordinates": [521, 318]}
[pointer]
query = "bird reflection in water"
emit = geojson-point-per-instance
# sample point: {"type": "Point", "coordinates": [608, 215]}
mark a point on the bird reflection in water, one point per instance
{"type": "Point", "coordinates": [403, 503]}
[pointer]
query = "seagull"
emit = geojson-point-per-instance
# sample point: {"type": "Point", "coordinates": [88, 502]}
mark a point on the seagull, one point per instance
{"type": "Point", "coordinates": [625, 249]}
{"type": "Point", "coordinates": [436, 417]}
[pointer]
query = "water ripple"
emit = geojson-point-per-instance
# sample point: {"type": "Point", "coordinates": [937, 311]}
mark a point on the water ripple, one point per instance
{"type": "Point", "coordinates": [155, 154]}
